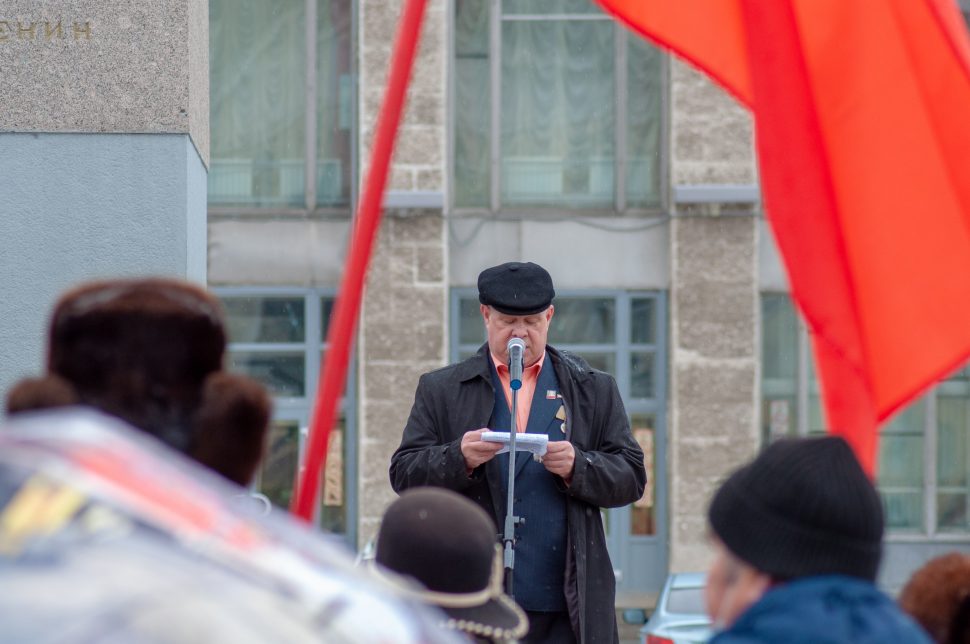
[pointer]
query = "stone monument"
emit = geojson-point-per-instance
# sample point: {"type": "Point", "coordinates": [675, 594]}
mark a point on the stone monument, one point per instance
{"type": "Point", "coordinates": [104, 145]}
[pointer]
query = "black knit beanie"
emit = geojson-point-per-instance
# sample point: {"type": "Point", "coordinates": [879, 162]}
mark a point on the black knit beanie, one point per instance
{"type": "Point", "coordinates": [803, 507]}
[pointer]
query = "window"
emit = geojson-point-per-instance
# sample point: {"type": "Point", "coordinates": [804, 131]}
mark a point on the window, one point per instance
{"type": "Point", "coordinates": [686, 601]}
{"type": "Point", "coordinates": [282, 104]}
{"type": "Point", "coordinates": [618, 332]}
{"type": "Point", "coordinates": [924, 454]}
{"type": "Point", "coordinates": [555, 105]}
{"type": "Point", "coordinates": [278, 337]}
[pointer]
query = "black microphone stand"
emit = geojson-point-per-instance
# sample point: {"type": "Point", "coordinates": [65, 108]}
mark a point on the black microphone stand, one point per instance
{"type": "Point", "coordinates": [510, 519]}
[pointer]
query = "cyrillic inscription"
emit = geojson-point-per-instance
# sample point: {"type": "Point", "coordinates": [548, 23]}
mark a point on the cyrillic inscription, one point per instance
{"type": "Point", "coordinates": [25, 32]}
{"type": "Point", "coordinates": [53, 31]}
{"type": "Point", "coordinates": [29, 31]}
{"type": "Point", "coordinates": [82, 30]}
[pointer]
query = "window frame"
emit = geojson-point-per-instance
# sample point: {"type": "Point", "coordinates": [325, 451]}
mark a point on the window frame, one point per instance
{"type": "Point", "coordinates": [310, 207]}
{"type": "Point", "coordinates": [928, 531]}
{"type": "Point", "coordinates": [495, 207]}
{"type": "Point", "coordinates": [300, 407]}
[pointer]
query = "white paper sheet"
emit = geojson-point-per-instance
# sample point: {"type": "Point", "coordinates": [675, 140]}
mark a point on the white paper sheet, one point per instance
{"type": "Point", "coordinates": [535, 443]}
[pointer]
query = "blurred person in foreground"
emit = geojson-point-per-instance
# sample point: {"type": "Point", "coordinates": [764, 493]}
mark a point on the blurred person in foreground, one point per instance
{"type": "Point", "coordinates": [108, 534]}
{"type": "Point", "coordinates": [446, 543]}
{"type": "Point", "coordinates": [563, 577]}
{"type": "Point", "coordinates": [150, 351]}
{"type": "Point", "coordinates": [937, 596]}
{"type": "Point", "coordinates": [798, 538]}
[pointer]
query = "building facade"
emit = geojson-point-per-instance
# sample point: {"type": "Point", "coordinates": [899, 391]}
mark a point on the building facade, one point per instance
{"type": "Point", "coordinates": [535, 130]}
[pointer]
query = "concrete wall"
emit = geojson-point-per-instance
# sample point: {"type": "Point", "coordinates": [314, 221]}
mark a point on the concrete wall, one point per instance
{"type": "Point", "coordinates": [404, 322]}
{"type": "Point", "coordinates": [106, 66]}
{"type": "Point", "coordinates": [601, 252]}
{"type": "Point", "coordinates": [403, 334]}
{"type": "Point", "coordinates": [79, 206]}
{"type": "Point", "coordinates": [272, 252]}
{"type": "Point", "coordinates": [712, 412]}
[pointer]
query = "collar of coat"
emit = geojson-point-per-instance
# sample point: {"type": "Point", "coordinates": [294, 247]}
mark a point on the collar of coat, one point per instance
{"type": "Point", "coordinates": [477, 365]}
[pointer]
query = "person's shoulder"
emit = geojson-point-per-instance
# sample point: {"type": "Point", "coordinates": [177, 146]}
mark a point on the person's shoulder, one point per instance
{"type": "Point", "coordinates": [803, 612]}
{"type": "Point", "coordinates": [576, 366]}
{"type": "Point", "coordinates": [572, 362]}
{"type": "Point", "coordinates": [456, 371]}
{"type": "Point", "coordinates": [728, 637]}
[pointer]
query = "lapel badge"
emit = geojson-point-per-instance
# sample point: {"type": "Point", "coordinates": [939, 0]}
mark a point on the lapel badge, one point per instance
{"type": "Point", "coordinates": [551, 394]}
{"type": "Point", "coordinates": [561, 414]}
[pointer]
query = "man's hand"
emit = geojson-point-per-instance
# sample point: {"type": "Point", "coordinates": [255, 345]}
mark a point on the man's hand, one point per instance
{"type": "Point", "coordinates": [559, 458]}
{"type": "Point", "coordinates": [475, 450]}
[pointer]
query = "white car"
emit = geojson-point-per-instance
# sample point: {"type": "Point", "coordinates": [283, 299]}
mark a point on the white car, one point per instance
{"type": "Point", "coordinates": [680, 617]}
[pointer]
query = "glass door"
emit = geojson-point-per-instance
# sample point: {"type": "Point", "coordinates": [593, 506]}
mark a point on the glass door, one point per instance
{"type": "Point", "coordinates": [285, 447]}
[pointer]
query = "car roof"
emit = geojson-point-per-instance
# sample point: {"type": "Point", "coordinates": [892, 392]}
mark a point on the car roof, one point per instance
{"type": "Point", "coordinates": [683, 580]}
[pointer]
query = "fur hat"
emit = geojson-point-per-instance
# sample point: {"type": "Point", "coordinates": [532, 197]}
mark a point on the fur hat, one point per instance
{"type": "Point", "coordinates": [803, 507]}
{"type": "Point", "coordinates": [150, 351]}
{"type": "Point", "coordinates": [448, 544]}
{"type": "Point", "coordinates": [937, 596]}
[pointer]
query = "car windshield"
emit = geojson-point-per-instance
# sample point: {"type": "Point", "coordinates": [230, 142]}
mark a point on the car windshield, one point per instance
{"type": "Point", "coordinates": [686, 600]}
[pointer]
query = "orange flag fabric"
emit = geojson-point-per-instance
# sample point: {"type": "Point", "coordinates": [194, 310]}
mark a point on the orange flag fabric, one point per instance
{"type": "Point", "coordinates": [863, 136]}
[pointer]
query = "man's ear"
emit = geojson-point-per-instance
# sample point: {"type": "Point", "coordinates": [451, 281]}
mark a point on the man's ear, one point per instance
{"type": "Point", "coordinates": [758, 582]}
{"type": "Point", "coordinates": [744, 587]}
{"type": "Point", "coordinates": [486, 311]}
{"type": "Point", "coordinates": [750, 586]}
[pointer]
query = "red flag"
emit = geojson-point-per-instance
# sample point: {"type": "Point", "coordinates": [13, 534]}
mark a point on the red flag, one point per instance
{"type": "Point", "coordinates": [340, 335]}
{"type": "Point", "coordinates": [711, 34]}
{"type": "Point", "coordinates": [864, 148]}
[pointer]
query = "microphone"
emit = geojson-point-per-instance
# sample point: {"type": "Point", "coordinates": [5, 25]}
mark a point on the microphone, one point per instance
{"type": "Point", "coordinates": [516, 348]}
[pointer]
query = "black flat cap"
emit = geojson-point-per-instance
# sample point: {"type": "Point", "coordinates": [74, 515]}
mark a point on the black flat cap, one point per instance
{"type": "Point", "coordinates": [516, 288]}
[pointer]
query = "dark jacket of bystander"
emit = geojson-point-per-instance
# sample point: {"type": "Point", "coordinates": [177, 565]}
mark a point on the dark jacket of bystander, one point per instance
{"type": "Point", "coordinates": [830, 609]}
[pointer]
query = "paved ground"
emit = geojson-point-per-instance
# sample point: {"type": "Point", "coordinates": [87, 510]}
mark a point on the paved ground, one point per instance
{"type": "Point", "coordinates": [630, 633]}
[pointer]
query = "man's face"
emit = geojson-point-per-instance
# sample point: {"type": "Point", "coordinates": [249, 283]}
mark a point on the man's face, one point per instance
{"type": "Point", "coordinates": [501, 328]}
{"type": "Point", "coordinates": [732, 586]}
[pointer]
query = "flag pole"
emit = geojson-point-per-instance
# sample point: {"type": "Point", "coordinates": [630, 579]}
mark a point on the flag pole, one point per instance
{"type": "Point", "coordinates": [364, 231]}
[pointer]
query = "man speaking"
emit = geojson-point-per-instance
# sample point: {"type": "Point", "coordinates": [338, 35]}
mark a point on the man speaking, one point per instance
{"type": "Point", "coordinates": [563, 576]}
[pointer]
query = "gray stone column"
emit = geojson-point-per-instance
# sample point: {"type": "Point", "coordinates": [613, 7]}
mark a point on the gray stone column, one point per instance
{"type": "Point", "coordinates": [713, 308]}
{"type": "Point", "coordinates": [404, 322]}
{"type": "Point", "coordinates": [104, 141]}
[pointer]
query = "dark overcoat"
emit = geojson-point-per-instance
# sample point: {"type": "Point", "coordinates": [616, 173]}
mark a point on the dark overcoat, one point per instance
{"type": "Point", "coordinates": [608, 470]}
